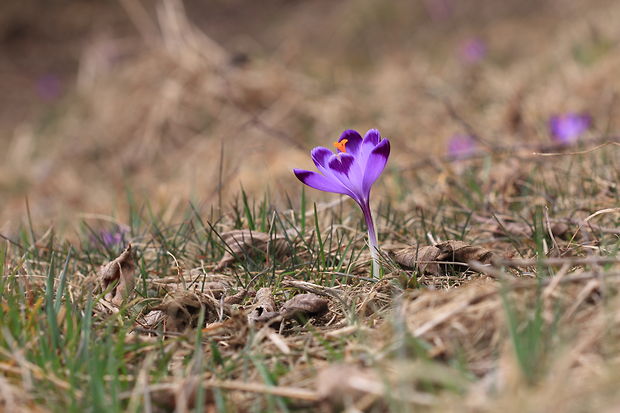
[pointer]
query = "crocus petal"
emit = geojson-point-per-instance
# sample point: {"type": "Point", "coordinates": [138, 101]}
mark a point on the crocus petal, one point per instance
{"type": "Point", "coordinates": [341, 164]}
{"type": "Point", "coordinates": [554, 126]}
{"type": "Point", "coordinates": [374, 166]}
{"type": "Point", "coordinates": [320, 182]}
{"type": "Point", "coordinates": [372, 136]}
{"type": "Point", "coordinates": [371, 139]}
{"type": "Point", "coordinates": [323, 156]}
{"type": "Point", "coordinates": [320, 156]}
{"type": "Point", "coordinates": [461, 146]}
{"type": "Point", "coordinates": [354, 141]}
{"type": "Point", "coordinates": [343, 168]}
{"type": "Point", "coordinates": [569, 127]}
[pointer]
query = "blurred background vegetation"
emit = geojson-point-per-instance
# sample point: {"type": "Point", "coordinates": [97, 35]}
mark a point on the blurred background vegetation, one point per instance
{"type": "Point", "coordinates": [105, 103]}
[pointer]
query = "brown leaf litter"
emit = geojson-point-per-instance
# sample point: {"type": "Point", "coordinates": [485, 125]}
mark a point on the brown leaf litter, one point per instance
{"type": "Point", "coordinates": [182, 309]}
{"type": "Point", "coordinates": [186, 296]}
{"type": "Point", "coordinates": [304, 306]}
{"type": "Point", "coordinates": [465, 317]}
{"type": "Point", "coordinates": [238, 297]}
{"type": "Point", "coordinates": [440, 258]}
{"type": "Point", "coordinates": [301, 307]}
{"type": "Point", "coordinates": [122, 270]}
{"type": "Point", "coordinates": [242, 242]}
{"type": "Point", "coordinates": [264, 307]}
{"type": "Point", "coordinates": [470, 318]}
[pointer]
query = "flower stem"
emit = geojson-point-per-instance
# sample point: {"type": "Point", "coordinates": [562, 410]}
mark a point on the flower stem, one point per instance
{"type": "Point", "coordinates": [372, 238]}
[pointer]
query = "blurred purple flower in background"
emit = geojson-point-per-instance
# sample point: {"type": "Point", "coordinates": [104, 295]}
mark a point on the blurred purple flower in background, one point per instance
{"type": "Point", "coordinates": [569, 127]}
{"type": "Point", "coordinates": [472, 50]}
{"type": "Point", "coordinates": [352, 171]}
{"type": "Point", "coordinates": [112, 238]}
{"type": "Point", "coordinates": [461, 145]}
{"type": "Point", "coordinates": [49, 87]}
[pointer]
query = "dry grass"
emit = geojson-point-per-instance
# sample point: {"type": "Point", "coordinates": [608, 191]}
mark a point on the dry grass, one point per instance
{"type": "Point", "coordinates": [174, 120]}
{"type": "Point", "coordinates": [172, 117]}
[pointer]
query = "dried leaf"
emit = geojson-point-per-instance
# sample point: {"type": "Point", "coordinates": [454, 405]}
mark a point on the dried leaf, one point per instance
{"type": "Point", "coordinates": [121, 269]}
{"type": "Point", "coordinates": [459, 251]}
{"type": "Point", "coordinates": [264, 299]}
{"type": "Point", "coordinates": [265, 307]}
{"type": "Point", "coordinates": [561, 230]}
{"type": "Point", "coordinates": [263, 317]}
{"type": "Point", "coordinates": [182, 310]}
{"type": "Point", "coordinates": [238, 297]}
{"type": "Point", "coordinates": [431, 259]}
{"type": "Point", "coordinates": [304, 306]}
{"type": "Point", "coordinates": [422, 258]}
{"type": "Point", "coordinates": [241, 243]}
{"type": "Point", "coordinates": [214, 288]}
{"type": "Point", "coordinates": [152, 319]}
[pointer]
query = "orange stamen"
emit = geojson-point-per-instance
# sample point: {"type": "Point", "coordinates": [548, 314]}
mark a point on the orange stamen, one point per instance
{"type": "Point", "coordinates": [341, 145]}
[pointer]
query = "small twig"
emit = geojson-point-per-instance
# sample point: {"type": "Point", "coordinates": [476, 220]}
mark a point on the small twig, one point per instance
{"type": "Point", "coordinates": [560, 278]}
{"type": "Point", "coordinates": [282, 391]}
{"type": "Point", "coordinates": [515, 151]}
{"type": "Point", "coordinates": [586, 151]}
{"type": "Point", "coordinates": [316, 289]}
{"type": "Point", "coordinates": [158, 333]}
{"type": "Point", "coordinates": [556, 261]}
{"type": "Point", "coordinates": [179, 270]}
{"type": "Point", "coordinates": [549, 229]}
{"type": "Point", "coordinates": [585, 221]}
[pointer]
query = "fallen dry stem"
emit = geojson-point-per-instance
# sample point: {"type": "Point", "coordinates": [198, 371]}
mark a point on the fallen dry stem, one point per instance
{"type": "Point", "coordinates": [283, 391]}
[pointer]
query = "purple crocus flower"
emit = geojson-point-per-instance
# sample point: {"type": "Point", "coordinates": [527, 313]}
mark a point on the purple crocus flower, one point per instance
{"type": "Point", "coordinates": [113, 237]}
{"type": "Point", "coordinates": [473, 50]}
{"type": "Point", "coordinates": [351, 171]}
{"type": "Point", "coordinates": [461, 146]}
{"type": "Point", "coordinates": [568, 128]}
